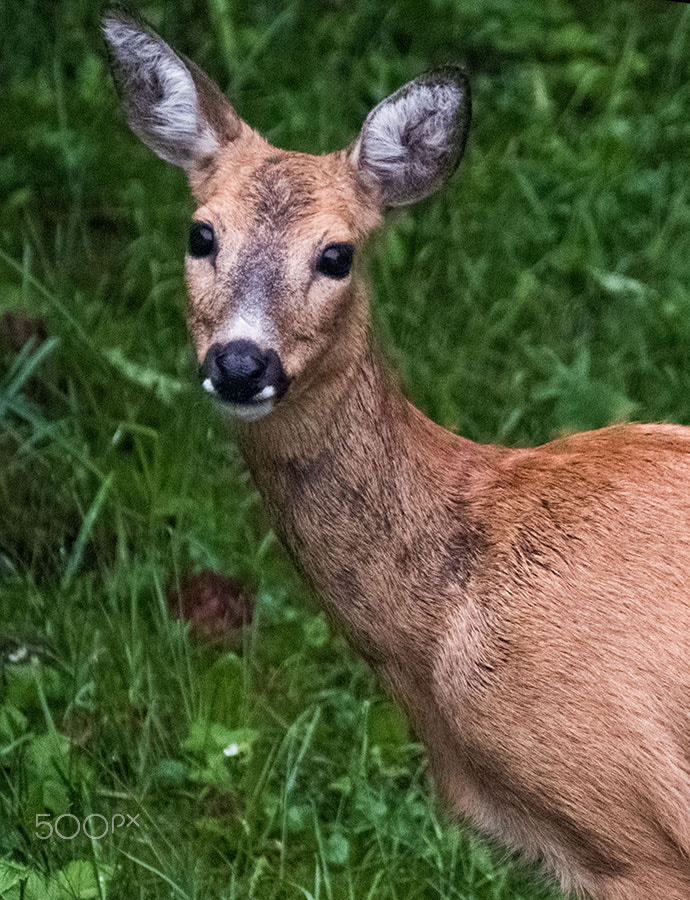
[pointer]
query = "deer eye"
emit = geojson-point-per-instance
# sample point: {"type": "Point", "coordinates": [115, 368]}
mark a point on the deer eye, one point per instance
{"type": "Point", "coordinates": [202, 240]}
{"type": "Point", "coordinates": [336, 260]}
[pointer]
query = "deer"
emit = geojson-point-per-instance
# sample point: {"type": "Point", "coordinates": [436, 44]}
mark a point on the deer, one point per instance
{"type": "Point", "coordinates": [528, 607]}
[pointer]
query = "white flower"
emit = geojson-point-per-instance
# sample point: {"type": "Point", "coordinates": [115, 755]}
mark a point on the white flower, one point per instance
{"type": "Point", "coordinates": [19, 655]}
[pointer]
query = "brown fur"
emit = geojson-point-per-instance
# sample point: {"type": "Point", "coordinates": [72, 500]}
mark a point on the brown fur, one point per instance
{"type": "Point", "coordinates": [550, 677]}
{"type": "Point", "coordinates": [530, 608]}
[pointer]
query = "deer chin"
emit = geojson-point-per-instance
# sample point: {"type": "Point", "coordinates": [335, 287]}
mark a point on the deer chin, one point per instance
{"type": "Point", "coordinates": [257, 407]}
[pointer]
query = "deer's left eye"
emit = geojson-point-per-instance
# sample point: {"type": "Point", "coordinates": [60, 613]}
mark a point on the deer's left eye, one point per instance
{"type": "Point", "coordinates": [202, 240]}
{"type": "Point", "coordinates": [336, 260]}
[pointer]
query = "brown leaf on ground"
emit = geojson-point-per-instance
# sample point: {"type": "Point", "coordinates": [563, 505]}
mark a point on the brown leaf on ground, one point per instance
{"type": "Point", "coordinates": [216, 606]}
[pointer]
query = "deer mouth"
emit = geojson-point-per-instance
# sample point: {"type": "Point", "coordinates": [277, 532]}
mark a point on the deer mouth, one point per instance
{"type": "Point", "coordinates": [250, 410]}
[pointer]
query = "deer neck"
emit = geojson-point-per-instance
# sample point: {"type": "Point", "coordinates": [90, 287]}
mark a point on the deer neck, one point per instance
{"type": "Point", "coordinates": [366, 494]}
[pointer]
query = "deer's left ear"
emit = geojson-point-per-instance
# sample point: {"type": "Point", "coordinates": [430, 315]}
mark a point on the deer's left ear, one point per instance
{"type": "Point", "coordinates": [415, 138]}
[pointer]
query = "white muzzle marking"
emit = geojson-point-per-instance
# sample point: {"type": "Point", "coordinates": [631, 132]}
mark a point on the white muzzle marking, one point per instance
{"type": "Point", "coordinates": [246, 328]}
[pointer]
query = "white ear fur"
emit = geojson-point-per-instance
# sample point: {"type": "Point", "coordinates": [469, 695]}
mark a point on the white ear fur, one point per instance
{"type": "Point", "coordinates": [415, 138]}
{"type": "Point", "coordinates": [160, 94]}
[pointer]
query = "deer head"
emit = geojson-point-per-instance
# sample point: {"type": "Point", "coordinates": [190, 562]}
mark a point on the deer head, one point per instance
{"type": "Point", "coordinates": [275, 305]}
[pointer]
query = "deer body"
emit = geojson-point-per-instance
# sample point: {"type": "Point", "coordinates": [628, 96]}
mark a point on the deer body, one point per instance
{"type": "Point", "coordinates": [522, 611]}
{"type": "Point", "coordinates": [530, 608]}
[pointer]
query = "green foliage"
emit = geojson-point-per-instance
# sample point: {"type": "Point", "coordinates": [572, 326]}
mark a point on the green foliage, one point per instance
{"type": "Point", "coordinates": [545, 289]}
{"type": "Point", "coordinates": [79, 880]}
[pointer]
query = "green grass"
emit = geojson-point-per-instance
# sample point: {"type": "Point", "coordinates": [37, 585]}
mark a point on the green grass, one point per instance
{"type": "Point", "coordinates": [546, 288]}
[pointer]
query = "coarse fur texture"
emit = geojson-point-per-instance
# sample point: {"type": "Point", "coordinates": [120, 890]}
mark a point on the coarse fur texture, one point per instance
{"type": "Point", "coordinates": [414, 139]}
{"type": "Point", "coordinates": [530, 608]}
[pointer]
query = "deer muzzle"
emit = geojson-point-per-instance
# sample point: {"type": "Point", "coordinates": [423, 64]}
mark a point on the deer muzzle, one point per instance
{"type": "Point", "coordinates": [249, 380]}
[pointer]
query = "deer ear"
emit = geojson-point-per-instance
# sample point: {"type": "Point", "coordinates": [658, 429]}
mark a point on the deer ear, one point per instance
{"type": "Point", "coordinates": [174, 107]}
{"type": "Point", "coordinates": [415, 138]}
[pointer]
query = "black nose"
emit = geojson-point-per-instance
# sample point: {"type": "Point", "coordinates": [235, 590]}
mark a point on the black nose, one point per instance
{"type": "Point", "coordinates": [240, 371]}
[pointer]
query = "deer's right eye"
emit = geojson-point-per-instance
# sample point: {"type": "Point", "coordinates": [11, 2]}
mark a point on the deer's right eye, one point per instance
{"type": "Point", "coordinates": [202, 240]}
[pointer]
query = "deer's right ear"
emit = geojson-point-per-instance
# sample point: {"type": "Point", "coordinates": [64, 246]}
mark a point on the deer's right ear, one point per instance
{"type": "Point", "coordinates": [174, 107]}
